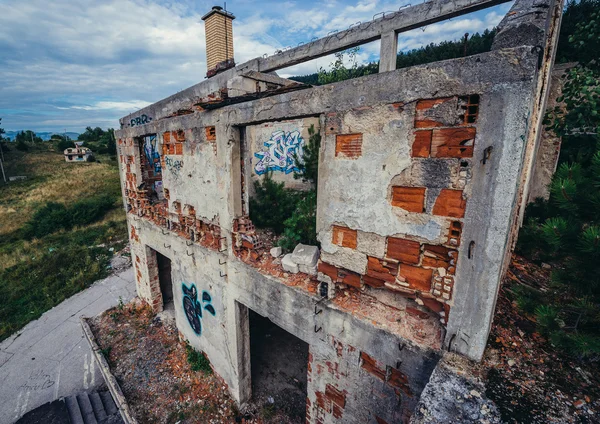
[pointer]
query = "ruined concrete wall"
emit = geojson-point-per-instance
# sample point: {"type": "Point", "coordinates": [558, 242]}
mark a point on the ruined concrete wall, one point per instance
{"type": "Point", "coordinates": [549, 150]}
{"type": "Point", "coordinates": [420, 170]}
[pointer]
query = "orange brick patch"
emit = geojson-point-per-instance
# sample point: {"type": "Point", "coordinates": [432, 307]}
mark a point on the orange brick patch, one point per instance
{"type": "Point", "coordinates": [421, 147]}
{"type": "Point", "coordinates": [453, 142]}
{"type": "Point", "coordinates": [450, 203]}
{"type": "Point", "coordinates": [411, 199]}
{"type": "Point", "coordinates": [348, 145]}
{"type": "Point", "coordinates": [422, 121]}
{"type": "Point", "coordinates": [345, 237]}
{"type": "Point", "coordinates": [382, 269]}
{"type": "Point", "coordinates": [211, 133]}
{"type": "Point", "coordinates": [418, 278]}
{"type": "Point", "coordinates": [406, 251]}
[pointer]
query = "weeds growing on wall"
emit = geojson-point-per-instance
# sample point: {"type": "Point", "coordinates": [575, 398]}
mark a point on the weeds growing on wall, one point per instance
{"type": "Point", "coordinates": [566, 230]}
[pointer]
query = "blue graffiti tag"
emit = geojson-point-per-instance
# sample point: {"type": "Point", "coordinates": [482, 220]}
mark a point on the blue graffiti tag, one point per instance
{"type": "Point", "coordinates": [282, 148]}
{"type": "Point", "coordinates": [151, 150]}
{"type": "Point", "coordinates": [140, 120]}
{"type": "Point", "coordinates": [193, 307]}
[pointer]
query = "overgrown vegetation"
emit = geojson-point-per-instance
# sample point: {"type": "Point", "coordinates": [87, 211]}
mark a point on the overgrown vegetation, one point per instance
{"type": "Point", "coordinates": [565, 231]}
{"type": "Point", "coordinates": [290, 213]}
{"type": "Point", "coordinates": [197, 360]}
{"type": "Point", "coordinates": [58, 231]}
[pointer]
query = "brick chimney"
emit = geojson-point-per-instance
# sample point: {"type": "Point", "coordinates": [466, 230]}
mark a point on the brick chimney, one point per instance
{"type": "Point", "coordinates": [219, 40]}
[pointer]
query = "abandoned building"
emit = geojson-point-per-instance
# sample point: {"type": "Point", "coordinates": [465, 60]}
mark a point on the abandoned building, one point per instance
{"type": "Point", "coordinates": [423, 177]}
{"type": "Point", "coordinates": [78, 154]}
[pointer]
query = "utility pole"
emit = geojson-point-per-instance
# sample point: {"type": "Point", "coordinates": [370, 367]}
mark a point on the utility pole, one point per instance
{"type": "Point", "coordinates": [2, 167]}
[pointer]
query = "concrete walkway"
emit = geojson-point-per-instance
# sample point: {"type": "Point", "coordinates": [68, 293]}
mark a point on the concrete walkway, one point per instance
{"type": "Point", "coordinates": [50, 358]}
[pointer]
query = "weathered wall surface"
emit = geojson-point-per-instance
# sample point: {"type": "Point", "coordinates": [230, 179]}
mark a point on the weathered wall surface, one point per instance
{"type": "Point", "coordinates": [271, 148]}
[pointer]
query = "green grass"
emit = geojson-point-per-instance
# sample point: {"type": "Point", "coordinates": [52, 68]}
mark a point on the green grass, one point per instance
{"type": "Point", "coordinates": [58, 231]}
{"type": "Point", "coordinates": [197, 360]}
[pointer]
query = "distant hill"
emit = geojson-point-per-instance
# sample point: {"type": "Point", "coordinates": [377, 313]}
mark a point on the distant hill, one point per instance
{"type": "Point", "coordinates": [44, 135]}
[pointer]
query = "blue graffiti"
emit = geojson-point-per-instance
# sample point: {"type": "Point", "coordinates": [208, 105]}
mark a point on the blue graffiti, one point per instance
{"type": "Point", "coordinates": [193, 307]}
{"type": "Point", "coordinates": [282, 149]}
{"type": "Point", "coordinates": [151, 150]}
{"type": "Point", "coordinates": [140, 120]}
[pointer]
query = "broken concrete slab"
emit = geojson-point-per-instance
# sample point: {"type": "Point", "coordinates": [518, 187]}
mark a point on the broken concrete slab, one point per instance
{"type": "Point", "coordinates": [306, 255]}
{"type": "Point", "coordinates": [289, 265]}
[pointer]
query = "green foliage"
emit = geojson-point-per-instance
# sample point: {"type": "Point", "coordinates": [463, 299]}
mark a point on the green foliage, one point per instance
{"type": "Point", "coordinates": [301, 227]}
{"type": "Point", "coordinates": [308, 165]}
{"type": "Point", "coordinates": [338, 70]}
{"type": "Point", "coordinates": [56, 216]}
{"type": "Point", "coordinates": [566, 230]}
{"type": "Point", "coordinates": [38, 283]}
{"type": "Point", "coordinates": [197, 360]}
{"type": "Point", "coordinates": [28, 137]}
{"type": "Point", "coordinates": [272, 204]}
{"type": "Point", "coordinates": [63, 144]}
{"type": "Point", "coordinates": [21, 146]}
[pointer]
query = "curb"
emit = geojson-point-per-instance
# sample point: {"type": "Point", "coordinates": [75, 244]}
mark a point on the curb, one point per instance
{"type": "Point", "coordinates": [111, 381]}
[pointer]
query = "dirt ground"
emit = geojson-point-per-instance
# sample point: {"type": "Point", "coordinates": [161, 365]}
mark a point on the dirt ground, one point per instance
{"type": "Point", "coordinates": [150, 364]}
{"type": "Point", "coordinates": [525, 376]}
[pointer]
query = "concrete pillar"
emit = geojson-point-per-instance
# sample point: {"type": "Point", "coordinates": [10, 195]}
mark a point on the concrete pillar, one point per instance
{"type": "Point", "coordinates": [388, 50]}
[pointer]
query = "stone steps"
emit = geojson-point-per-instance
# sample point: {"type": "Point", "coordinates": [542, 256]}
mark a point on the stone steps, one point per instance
{"type": "Point", "coordinates": [93, 408]}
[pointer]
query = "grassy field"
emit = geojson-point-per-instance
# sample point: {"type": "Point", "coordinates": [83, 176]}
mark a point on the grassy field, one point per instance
{"type": "Point", "coordinates": [58, 231]}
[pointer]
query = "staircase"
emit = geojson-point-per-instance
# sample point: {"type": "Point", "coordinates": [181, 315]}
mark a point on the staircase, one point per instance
{"type": "Point", "coordinates": [93, 408]}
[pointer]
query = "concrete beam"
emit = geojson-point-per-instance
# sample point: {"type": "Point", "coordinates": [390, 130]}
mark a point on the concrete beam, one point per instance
{"type": "Point", "coordinates": [406, 19]}
{"type": "Point", "coordinates": [388, 51]}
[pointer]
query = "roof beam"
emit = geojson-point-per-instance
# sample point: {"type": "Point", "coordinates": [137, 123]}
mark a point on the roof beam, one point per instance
{"type": "Point", "coordinates": [405, 19]}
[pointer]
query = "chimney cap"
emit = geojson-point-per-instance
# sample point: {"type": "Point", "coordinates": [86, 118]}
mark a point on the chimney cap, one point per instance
{"type": "Point", "coordinates": [220, 11]}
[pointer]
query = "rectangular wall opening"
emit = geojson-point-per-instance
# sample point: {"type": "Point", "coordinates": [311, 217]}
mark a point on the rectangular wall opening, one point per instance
{"type": "Point", "coordinates": [279, 362]}
{"type": "Point", "coordinates": [164, 278]}
{"type": "Point", "coordinates": [151, 168]}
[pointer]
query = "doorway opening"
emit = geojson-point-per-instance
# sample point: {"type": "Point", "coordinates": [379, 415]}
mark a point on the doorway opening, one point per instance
{"type": "Point", "coordinates": [279, 362]}
{"type": "Point", "coordinates": [164, 278]}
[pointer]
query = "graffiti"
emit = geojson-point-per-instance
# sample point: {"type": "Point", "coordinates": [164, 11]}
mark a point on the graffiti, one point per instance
{"type": "Point", "coordinates": [174, 165]}
{"type": "Point", "coordinates": [140, 120]}
{"type": "Point", "coordinates": [193, 307]}
{"type": "Point", "coordinates": [151, 150]}
{"type": "Point", "coordinates": [282, 148]}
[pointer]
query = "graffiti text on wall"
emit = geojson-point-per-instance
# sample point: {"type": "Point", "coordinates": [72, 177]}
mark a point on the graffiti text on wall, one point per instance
{"type": "Point", "coordinates": [193, 307]}
{"type": "Point", "coordinates": [174, 165]}
{"type": "Point", "coordinates": [140, 120]}
{"type": "Point", "coordinates": [282, 147]}
{"type": "Point", "coordinates": [151, 150]}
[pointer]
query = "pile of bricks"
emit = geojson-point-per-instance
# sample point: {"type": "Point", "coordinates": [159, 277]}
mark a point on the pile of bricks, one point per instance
{"type": "Point", "coordinates": [245, 238]}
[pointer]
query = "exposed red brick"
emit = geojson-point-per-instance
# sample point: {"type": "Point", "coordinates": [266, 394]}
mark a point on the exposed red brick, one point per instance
{"type": "Point", "coordinates": [450, 203]}
{"type": "Point", "coordinates": [418, 278]}
{"type": "Point", "coordinates": [336, 396]}
{"type": "Point", "coordinates": [406, 251]}
{"type": "Point", "coordinates": [411, 199]}
{"type": "Point", "coordinates": [322, 402]}
{"type": "Point", "coordinates": [180, 135]}
{"type": "Point", "coordinates": [370, 365]}
{"type": "Point", "coordinates": [348, 145]}
{"type": "Point", "coordinates": [432, 304]}
{"type": "Point", "coordinates": [453, 143]}
{"type": "Point", "coordinates": [167, 137]}
{"type": "Point", "coordinates": [211, 133]}
{"type": "Point", "coordinates": [380, 420]}
{"type": "Point", "coordinates": [327, 269]}
{"type": "Point", "coordinates": [349, 277]}
{"type": "Point", "coordinates": [399, 380]}
{"type": "Point", "coordinates": [416, 312]}
{"type": "Point", "coordinates": [345, 237]}
{"type": "Point", "coordinates": [373, 282]}
{"type": "Point", "coordinates": [423, 121]}
{"type": "Point", "coordinates": [454, 233]}
{"type": "Point", "coordinates": [421, 147]}
{"type": "Point", "coordinates": [382, 269]}
{"type": "Point", "coordinates": [337, 411]}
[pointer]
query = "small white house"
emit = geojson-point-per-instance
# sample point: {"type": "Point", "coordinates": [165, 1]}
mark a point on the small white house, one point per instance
{"type": "Point", "coordinates": [78, 154]}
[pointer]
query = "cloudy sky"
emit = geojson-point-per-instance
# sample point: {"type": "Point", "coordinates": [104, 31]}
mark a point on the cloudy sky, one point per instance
{"type": "Point", "coordinates": [68, 64]}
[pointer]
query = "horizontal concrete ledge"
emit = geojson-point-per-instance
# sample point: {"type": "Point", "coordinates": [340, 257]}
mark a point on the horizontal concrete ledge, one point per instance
{"type": "Point", "coordinates": [111, 381]}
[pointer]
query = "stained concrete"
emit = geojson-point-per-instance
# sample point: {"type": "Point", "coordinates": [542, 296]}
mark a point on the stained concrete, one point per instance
{"type": "Point", "coordinates": [50, 358]}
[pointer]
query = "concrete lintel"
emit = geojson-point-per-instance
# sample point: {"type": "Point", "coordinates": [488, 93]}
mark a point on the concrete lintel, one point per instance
{"type": "Point", "coordinates": [405, 19]}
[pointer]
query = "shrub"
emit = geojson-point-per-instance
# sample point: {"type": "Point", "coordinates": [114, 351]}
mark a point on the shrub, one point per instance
{"type": "Point", "coordinates": [21, 146]}
{"type": "Point", "coordinates": [301, 227]}
{"type": "Point", "coordinates": [197, 360]}
{"type": "Point", "coordinates": [272, 204]}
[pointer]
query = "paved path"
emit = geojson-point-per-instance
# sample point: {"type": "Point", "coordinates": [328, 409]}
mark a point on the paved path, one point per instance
{"type": "Point", "coordinates": [50, 358]}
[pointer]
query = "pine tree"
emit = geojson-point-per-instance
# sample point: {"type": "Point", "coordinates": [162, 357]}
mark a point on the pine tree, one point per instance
{"type": "Point", "coordinates": [566, 230]}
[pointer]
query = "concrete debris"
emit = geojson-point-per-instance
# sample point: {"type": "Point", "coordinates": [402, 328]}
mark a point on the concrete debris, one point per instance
{"type": "Point", "coordinates": [276, 251]}
{"type": "Point", "coordinates": [306, 255]}
{"type": "Point", "coordinates": [289, 264]}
